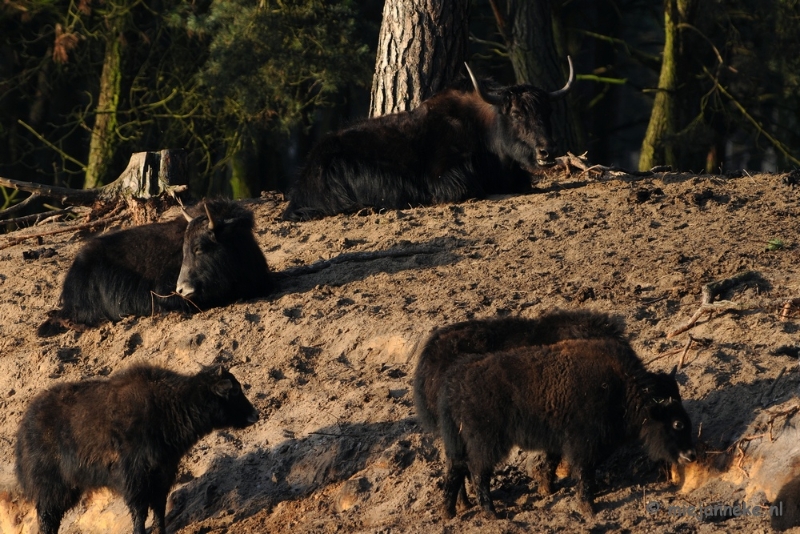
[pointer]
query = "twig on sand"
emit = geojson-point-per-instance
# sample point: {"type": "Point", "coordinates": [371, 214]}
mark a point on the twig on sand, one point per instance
{"type": "Point", "coordinates": [685, 351]}
{"type": "Point", "coordinates": [713, 289]}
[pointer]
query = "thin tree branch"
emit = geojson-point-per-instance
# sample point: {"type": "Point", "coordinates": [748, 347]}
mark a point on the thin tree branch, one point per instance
{"type": "Point", "coordinates": [51, 145]}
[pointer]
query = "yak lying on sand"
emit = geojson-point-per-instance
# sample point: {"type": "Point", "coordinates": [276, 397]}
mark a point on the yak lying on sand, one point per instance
{"type": "Point", "coordinates": [127, 433]}
{"type": "Point", "coordinates": [465, 142]}
{"type": "Point", "coordinates": [577, 399]}
{"type": "Point", "coordinates": [193, 263]}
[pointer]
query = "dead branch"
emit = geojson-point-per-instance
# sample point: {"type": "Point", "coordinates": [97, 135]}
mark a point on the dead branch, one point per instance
{"type": "Point", "coordinates": [38, 217]}
{"type": "Point", "coordinates": [318, 266]}
{"type": "Point", "coordinates": [17, 239]}
{"type": "Point", "coordinates": [724, 306]}
{"type": "Point", "coordinates": [82, 197]}
{"type": "Point", "coordinates": [685, 351]}
{"type": "Point", "coordinates": [712, 289]}
{"type": "Point", "coordinates": [17, 207]}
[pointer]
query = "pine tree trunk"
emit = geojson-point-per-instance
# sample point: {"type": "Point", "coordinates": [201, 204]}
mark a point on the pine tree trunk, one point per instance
{"type": "Point", "coordinates": [659, 144]}
{"type": "Point", "coordinates": [538, 59]}
{"type": "Point", "coordinates": [101, 146]}
{"type": "Point", "coordinates": [421, 49]}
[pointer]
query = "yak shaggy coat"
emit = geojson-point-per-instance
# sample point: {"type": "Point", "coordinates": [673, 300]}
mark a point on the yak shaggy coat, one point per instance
{"type": "Point", "coordinates": [136, 271]}
{"type": "Point", "coordinates": [576, 399]}
{"type": "Point", "coordinates": [127, 433]}
{"type": "Point", "coordinates": [448, 344]}
{"type": "Point", "coordinates": [465, 142]}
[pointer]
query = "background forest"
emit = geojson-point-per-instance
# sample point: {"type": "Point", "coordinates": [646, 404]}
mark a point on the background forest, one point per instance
{"type": "Point", "coordinates": [247, 87]}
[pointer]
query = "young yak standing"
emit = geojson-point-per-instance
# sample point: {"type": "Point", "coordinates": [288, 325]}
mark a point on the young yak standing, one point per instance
{"type": "Point", "coordinates": [127, 433]}
{"type": "Point", "coordinates": [449, 344]}
{"type": "Point", "coordinates": [577, 399]}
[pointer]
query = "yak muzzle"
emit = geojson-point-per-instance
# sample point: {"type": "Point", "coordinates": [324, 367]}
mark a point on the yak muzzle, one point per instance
{"type": "Point", "coordinates": [185, 290]}
{"type": "Point", "coordinates": [687, 457]}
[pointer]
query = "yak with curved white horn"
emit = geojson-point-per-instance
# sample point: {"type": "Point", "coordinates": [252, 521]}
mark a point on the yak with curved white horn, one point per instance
{"type": "Point", "coordinates": [186, 215]}
{"type": "Point", "coordinates": [564, 90]}
{"type": "Point", "coordinates": [210, 219]}
{"type": "Point", "coordinates": [489, 99]}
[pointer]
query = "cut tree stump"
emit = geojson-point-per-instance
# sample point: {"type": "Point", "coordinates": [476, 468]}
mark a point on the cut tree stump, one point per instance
{"type": "Point", "coordinates": [138, 194]}
{"type": "Point", "coordinates": [148, 175]}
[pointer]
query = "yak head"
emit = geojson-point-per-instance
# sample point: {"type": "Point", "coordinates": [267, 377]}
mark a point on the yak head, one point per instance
{"type": "Point", "coordinates": [211, 255]}
{"type": "Point", "coordinates": [225, 400]}
{"type": "Point", "coordinates": [666, 430]}
{"type": "Point", "coordinates": [522, 129]}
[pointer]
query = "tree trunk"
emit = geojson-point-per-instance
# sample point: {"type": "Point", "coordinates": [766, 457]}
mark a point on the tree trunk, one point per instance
{"type": "Point", "coordinates": [421, 49]}
{"type": "Point", "coordinates": [539, 59]}
{"type": "Point", "coordinates": [101, 146]}
{"type": "Point", "coordinates": [658, 147]}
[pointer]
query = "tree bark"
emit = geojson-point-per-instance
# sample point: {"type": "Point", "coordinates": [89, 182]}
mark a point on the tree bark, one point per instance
{"type": "Point", "coordinates": [659, 144]}
{"type": "Point", "coordinates": [538, 57]}
{"type": "Point", "coordinates": [422, 47]}
{"type": "Point", "coordinates": [101, 146]}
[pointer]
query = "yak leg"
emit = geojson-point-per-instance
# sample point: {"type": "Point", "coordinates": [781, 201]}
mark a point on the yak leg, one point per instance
{"type": "Point", "coordinates": [463, 499]}
{"type": "Point", "coordinates": [49, 518]}
{"type": "Point", "coordinates": [585, 490]}
{"type": "Point", "coordinates": [158, 502]}
{"type": "Point", "coordinates": [542, 468]}
{"type": "Point", "coordinates": [480, 480]}
{"type": "Point", "coordinates": [53, 504]}
{"type": "Point", "coordinates": [453, 486]}
{"type": "Point", "coordinates": [138, 510]}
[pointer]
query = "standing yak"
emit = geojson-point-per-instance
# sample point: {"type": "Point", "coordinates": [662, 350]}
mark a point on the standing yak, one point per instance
{"type": "Point", "coordinates": [578, 399]}
{"type": "Point", "coordinates": [469, 141]}
{"type": "Point", "coordinates": [205, 259]}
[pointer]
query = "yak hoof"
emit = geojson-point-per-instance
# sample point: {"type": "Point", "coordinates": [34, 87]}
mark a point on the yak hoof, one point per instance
{"type": "Point", "coordinates": [448, 512]}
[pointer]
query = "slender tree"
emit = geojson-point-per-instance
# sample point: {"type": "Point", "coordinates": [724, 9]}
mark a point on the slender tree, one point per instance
{"type": "Point", "coordinates": [659, 145]}
{"type": "Point", "coordinates": [422, 47]}
{"type": "Point", "coordinates": [535, 48]}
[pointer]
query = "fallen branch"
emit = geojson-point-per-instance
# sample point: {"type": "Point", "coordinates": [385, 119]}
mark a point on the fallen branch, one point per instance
{"type": "Point", "coordinates": [17, 207]}
{"type": "Point", "coordinates": [39, 217]}
{"type": "Point", "coordinates": [685, 351]}
{"type": "Point", "coordinates": [723, 306]}
{"type": "Point", "coordinates": [318, 266]}
{"type": "Point", "coordinates": [17, 239]}
{"type": "Point", "coordinates": [712, 289]}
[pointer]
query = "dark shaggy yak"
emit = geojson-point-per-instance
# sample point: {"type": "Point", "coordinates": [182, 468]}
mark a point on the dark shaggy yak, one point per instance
{"type": "Point", "coordinates": [448, 344]}
{"type": "Point", "coordinates": [127, 433]}
{"type": "Point", "coordinates": [189, 263]}
{"type": "Point", "coordinates": [465, 142]}
{"type": "Point", "coordinates": [577, 399]}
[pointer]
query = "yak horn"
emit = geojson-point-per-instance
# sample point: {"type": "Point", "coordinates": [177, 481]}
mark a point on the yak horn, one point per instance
{"type": "Point", "coordinates": [208, 214]}
{"type": "Point", "coordinates": [493, 100]}
{"type": "Point", "coordinates": [186, 215]}
{"type": "Point", "coordinates": [564, 90]}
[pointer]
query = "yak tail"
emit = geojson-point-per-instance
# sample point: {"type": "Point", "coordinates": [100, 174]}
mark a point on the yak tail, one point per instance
{"type": "Point", "coordinates": [454, 447]}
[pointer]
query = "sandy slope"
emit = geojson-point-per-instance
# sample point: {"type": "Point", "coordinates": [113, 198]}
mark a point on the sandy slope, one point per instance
{"type": "Point", "coordinates": [328, 360]}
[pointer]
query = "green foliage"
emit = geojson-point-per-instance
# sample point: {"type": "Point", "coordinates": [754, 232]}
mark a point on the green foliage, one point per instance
{"type": "Point", "coordinates": [211, 77]}
{"type": "Point", "coordinates": [269, 63]}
